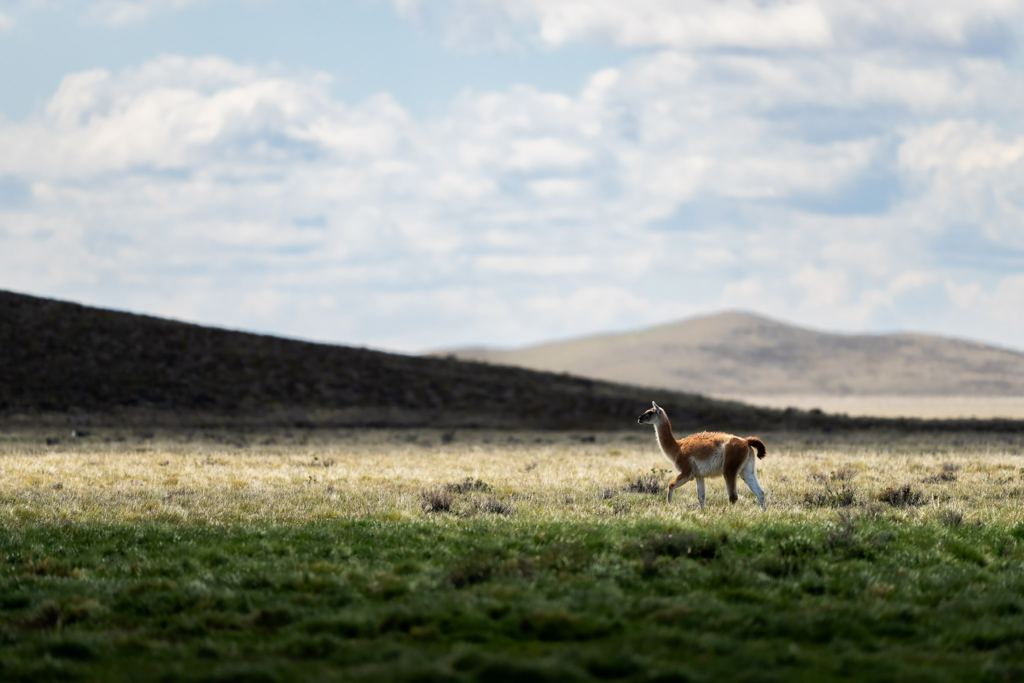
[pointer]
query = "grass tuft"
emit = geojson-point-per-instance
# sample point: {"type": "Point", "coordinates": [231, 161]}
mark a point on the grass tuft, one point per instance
{"type": "Point", "coordinates": [470, 570]}
{"type": "Point", "coordinates": [48, 615]}
{"type": "Point", "coordinates": [946, 475]}
{"type": "Point", "coordinates": [901, 497]}
{"type": "Point", "coordinates": [495, 506]}
{"type": "Point", "coordinates": [683, 544]}
{"type": "Point", "coordinates": [437, 500]}
{"type": "Point", "coordinates": [952, 517]}
{"type": "Point", "coordinates": [468, 485]}
{"type": "Point", "coordinates": [837, 489]}
{"type": "Point", "coordinates": [652, 482]}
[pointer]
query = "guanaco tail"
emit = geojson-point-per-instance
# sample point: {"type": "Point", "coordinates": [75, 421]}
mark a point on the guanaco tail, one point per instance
{"type": "Point", "coordinates": [707, 454]}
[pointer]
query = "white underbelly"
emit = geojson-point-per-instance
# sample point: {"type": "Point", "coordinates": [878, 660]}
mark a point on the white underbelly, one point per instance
{"type": "Point", "coordinates": [713, 465]}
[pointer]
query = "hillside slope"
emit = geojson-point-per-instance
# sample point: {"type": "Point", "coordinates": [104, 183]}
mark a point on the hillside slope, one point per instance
{"type": "Point", "coordinates": [742, 354]}
{"type": "Point", "coordinates": [57, 356]}
{"type": "Point", "coordinates": [62, 359]}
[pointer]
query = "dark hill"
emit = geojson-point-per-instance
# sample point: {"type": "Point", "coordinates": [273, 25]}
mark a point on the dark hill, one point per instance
{"type": "Point", "coordinates": [59, 357]}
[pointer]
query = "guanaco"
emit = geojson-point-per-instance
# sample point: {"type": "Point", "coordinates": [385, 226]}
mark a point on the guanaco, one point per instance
{"type": "Point", "coordinates": [707, 454]}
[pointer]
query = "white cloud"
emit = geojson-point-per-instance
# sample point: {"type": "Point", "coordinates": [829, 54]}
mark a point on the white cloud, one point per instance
{"type": "Point", "coordinates": [532, 265]}
{"type": "Point", "coordinates": [927, 88]}
{"type": "Point", "coordinates": [686, 25]}
{"type": "Point", "coordinates": [823, 287]}
{"type": "Point", "coordinates": [911, 280]}
{"type": "Point", "coordinates": [809, 174]}
{"type": "Point", "coordinates": [172, 114]}
{"type": "Point", "coordinates": [123, 12]}
{"type": "Point", "coordinates": [675, 23]}
{"type": "Point", "coordinates": [980, 312]}
{"type": "Point", "coordinates": [555, 188]}
{"type": "Point", "coordinates": [960, 147]}
{"type": "Point", "coordinates": [972, 173]}
{"type": "Point", "coordinates": [6, 22]}
{"type": "Point", "coordinates": [980, 26]}
{"type": "Point", "coordinates": [546, 153]}
{"type": "Point", "coordinates": [702, 24]}
{"type": "Point", "coordinates": [947, 23]}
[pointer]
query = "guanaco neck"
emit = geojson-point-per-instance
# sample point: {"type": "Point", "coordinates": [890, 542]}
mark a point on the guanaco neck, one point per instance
{"type": "Point", "coordinates": [667, 441]}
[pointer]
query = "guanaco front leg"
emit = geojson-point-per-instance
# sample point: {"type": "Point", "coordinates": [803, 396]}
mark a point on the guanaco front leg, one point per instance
{"type": "Point", "coordinates": [700, 492]}
{"type": "Point", "coordinates": [675, 483]}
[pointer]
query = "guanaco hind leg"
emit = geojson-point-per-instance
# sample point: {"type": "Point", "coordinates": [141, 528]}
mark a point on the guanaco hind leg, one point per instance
{"type": "Point", "coordinates": [749, 475]}
{"type": "Point", "coordinates": [737, 456]}
{"type": "Point", "coordinates": [730, 486]}
{"type": "Point", "coordinates": [700, 492]}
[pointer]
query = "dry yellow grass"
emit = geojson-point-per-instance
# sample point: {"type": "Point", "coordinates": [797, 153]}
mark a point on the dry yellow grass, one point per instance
{"type": "Point", "coordinates": [382, 475]}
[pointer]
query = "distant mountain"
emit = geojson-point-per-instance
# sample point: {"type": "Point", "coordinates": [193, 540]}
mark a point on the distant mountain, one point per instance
{"type": "Point", "coordinates": [734, 354]}
{"type": "Point", "coordinates": [65, 362]}
{"type": "Point", "coordinates": [58, 357]}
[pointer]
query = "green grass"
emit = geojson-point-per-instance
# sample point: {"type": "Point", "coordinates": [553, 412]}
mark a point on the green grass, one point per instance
{"type": "Point", "coordinates": [487, 555]}
{"type": "Point", "coordinates": [491, 599]}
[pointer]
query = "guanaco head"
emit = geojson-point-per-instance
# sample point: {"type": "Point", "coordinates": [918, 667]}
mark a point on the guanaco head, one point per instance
{"type": "Point", "coordinates": [652, 414]}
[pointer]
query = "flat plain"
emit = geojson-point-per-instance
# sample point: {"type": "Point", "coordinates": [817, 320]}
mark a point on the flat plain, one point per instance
{"type": "Point", "coordinates": [505, 555]}
{"type": "Point", "coordinates": [925, 407]}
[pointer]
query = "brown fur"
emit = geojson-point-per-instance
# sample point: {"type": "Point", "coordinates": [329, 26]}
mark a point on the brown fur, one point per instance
{"type": "Point", "coordinates": [704, 454]}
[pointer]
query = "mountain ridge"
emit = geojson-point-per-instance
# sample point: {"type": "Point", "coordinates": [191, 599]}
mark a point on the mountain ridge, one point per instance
{"type": "Point", "coordinates": [64, 363]}
{"type": "Point", "coordinates": [734, 352]}
{"type": "Point", "coordinates": [64, 358]}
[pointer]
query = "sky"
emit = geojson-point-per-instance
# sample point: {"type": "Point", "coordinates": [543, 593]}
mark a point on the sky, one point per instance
{"type": "Point", "coordinates": [415, 175]}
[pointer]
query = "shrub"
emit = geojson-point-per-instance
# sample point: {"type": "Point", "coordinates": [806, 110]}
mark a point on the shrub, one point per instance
{"type": "Point", "coordinates": [839, 490]}
{"type": "Point", "coordinates": [72, 649]}
{"type": "Point", "coordinates": [437, 500]}
{"type": "Point", "coordinates": [270, 618]}
{"type": "Point", "coordinates": [46, 616]}
{"type": "Point", "coordinates": [557, 625]}
{"type": "Point", "coordinates": [965, 552]}
{"type": "Point", "coordinates": [947, 474]}
{"type": "Point", "coordinates": [468, 485]}
{"type": "Point", "coordinates": [496, 507]}
{"type": "Point", "coordinates": [469, 570]}
{"type": "Point", "coordinates": [621, 507]}
{"type": "Point", "coordinates": [684, 544]}
{"type": "Point", "coordinates": [901, 497]}
{"type": "Point", "coordinates": [647, 483]}
{"type": "Point", "coordinates": [952, 517]}
{"type": "Point", "coordinates": [844, 540]}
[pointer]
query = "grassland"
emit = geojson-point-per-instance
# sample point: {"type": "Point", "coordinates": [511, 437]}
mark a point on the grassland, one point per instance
{"type": "Point", "coordinates": [498, 555]}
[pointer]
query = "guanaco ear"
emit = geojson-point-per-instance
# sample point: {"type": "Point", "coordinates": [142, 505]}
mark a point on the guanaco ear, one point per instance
{"type": "Point", "coordinates": [654, 405]}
